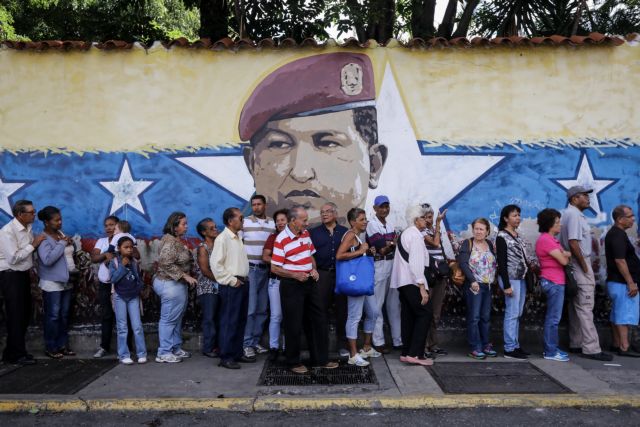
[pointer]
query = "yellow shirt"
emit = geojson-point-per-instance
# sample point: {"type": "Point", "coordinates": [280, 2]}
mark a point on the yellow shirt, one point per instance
{"type": "Point", "coordinates": [228, 258]}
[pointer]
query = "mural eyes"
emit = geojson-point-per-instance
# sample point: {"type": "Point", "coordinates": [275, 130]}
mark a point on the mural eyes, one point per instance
{"type": "Point", "coordinates": [280, 145]}
{"type": "Point", "coordinates": [326, 143]}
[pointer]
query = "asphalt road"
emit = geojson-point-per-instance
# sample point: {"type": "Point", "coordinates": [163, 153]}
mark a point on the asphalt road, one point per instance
{"type": "Point", "coordinates": [463, 417]}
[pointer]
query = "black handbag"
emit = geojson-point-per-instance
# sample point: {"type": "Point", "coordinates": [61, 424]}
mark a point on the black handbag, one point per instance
{"type": "Point", "coordinates": [530, 279]}
{"type": "Point", "coordinates": [570, 282]}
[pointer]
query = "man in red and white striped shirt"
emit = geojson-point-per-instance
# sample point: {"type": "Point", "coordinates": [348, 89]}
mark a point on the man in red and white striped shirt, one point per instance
{"type": "Point", "coordinates": [293, 261]}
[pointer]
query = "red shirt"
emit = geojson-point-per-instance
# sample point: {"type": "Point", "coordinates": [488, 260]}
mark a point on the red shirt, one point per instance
{"type": "Point", "coordinates": [293, 252]}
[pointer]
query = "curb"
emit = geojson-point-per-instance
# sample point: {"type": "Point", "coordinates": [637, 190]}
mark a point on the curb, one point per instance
{"type": "Point", "coordinates": [268, 403]}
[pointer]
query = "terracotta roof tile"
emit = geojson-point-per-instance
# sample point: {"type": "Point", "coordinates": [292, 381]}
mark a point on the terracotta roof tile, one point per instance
{"type": "Point", "coordinates": [351, 43]}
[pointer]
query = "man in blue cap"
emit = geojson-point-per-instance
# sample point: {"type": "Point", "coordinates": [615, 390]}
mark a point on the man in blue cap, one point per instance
{"type": "Point", "coordinates": [381, 234]}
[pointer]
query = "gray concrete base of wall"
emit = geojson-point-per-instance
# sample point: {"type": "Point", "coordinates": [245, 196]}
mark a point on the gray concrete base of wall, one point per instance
{"type": "Point", "coordinates": [85, 339]}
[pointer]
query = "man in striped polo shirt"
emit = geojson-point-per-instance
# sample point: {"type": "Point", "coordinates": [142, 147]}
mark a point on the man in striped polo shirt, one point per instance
{"type": "Point", "coordinates": [256, 229]}
{"type": "Point", "coordinates": [302, 307]}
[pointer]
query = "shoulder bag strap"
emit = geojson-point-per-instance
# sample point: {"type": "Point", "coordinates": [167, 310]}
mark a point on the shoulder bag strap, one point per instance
{"type": "Point", "coordinates": [403, 252]}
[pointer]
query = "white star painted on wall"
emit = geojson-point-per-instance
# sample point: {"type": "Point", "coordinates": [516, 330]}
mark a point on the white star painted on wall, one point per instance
{"type": "Point", "coordinates": [6, 190]}
{"type": "Point", "coordinates": [586, 178]}
{"type": "Point", "coordinates": [126, 190]}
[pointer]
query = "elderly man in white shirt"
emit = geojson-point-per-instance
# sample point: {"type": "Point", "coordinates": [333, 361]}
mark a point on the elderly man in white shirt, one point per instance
{"type": "Point", "coordinates": [408, 277]}
{"type": "Point", "coordinates": [230, 266]}
{"type": "Point", "coordinates": [17, 245]}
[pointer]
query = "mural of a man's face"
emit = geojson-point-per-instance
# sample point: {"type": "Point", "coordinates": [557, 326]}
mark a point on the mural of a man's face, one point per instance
{"type": "Point", "coordinates": [313, 160]}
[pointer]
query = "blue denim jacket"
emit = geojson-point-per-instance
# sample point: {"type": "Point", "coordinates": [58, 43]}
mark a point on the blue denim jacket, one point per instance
{"type": "Point", "coordinates": [52, 264]}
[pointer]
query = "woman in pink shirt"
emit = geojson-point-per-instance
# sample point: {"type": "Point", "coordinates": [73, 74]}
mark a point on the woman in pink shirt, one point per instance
{"type": "Point", "coordinates": [552, 261]}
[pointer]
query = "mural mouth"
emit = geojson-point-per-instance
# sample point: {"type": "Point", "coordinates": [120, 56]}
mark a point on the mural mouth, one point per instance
{"type": "Point", "coordinates": [301, 193]}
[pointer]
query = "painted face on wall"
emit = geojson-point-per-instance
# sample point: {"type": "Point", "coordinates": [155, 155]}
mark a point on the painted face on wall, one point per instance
{"type": "Point", "coordinates": [313, 160]}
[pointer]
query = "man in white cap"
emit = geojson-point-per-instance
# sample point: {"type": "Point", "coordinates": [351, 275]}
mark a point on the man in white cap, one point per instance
{"type": "Point", "coordinates": [575, 236]}
{"type": "Point", "coordinates": [381, 235]}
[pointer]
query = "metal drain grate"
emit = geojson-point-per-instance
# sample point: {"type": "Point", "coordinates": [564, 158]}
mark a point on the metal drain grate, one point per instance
{"type": "Point", "coordinates": [493, 377]}
{"type": "Point", "coordinates": [67, 376]}
{"type": "Point", "coordinates": [277, 374]}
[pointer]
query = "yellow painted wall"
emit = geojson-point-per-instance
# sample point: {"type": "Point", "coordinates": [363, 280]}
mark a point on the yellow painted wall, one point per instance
{"type": "Point", "coordinates": [158, 99]}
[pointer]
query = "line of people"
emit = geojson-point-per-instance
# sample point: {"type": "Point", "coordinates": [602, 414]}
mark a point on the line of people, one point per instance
{"type": "Point", "coordinates": [261, 268]}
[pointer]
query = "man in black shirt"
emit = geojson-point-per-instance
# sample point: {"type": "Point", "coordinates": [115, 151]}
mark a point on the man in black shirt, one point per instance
{"type": "Point", "coordinates": [326, 238]}
{"type": "Point", "coordinates": [623, 274]}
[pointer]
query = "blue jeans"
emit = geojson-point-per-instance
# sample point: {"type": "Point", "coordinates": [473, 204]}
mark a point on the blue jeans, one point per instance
{"type": "Point", "coordinates": [173, 300]}
{"type": "Point", "coordinates": [555, 300]}
{"type": "Point", "coordinates": [354, 309]}
{"type": "Point", "coordinates": [132, 309]}
{"type": "Point", "coordinates": [209, 306]}
{"type": "Point", "coordinates": [56, 319]}
{"type": "Point", "coordinates": [513, 306]}
{"type": "Point", "coordinates": [233, 319]}
{"type": "Point", "coordinates": [276, 313]}
{"type": "Point", "coordinates": [258, 304]}
{"type": "Point", "coordinates": [478, 316]}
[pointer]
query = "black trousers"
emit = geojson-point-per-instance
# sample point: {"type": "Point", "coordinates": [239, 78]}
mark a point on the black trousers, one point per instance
{"type": "Point", "coordinates": [233, 307]}
{"type": "Point", "coordinates": [328, 297]}
{"type": "Point", "coordinates": [16, 291]}
{"type": "Point", "coordinates": [302, 309]}
{"type": "Point", "coordinates": [415, 319]}
{"type": "Point", "coordinates": [108, 318]}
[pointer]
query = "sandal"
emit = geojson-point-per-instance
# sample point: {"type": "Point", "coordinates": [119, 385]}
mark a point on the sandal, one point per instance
{"type": "Point", "coordinates": [54, 354]}
{"type": "Point", "coordinates": [67, 351]}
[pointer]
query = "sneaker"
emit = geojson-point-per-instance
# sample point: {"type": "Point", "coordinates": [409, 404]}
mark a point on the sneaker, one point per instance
{"type": "Point", "coordinates": [245, 359]}
{"type": "Point", "coordinates": [557, 357]}
{"type": "Point", "coordinates": [515, 354]}
{"type": "Point", "coordinates": [477, 355]}
{"type": "Point", "coordinates": [344, 353]}
{"type": "Point", "coordinates": [142, 360]}
{"type": "Point", "coordinates": [602, 357]}
{"type": "Point", "coordinates": [249, 352]}
{"type": "Point", "coordinates": [357, 360]}
{"type": "Point", "coordinates": [168, 358]}
{"type": "Point", "coordinates": [372, 352]}
{"type": "Point", "coordinates": [403, 359]}
{"type": "Point", "coordinates": [439, 351]}
{"type": "Point", "coordinates": [101, 352]}
{"type": "Point", "coordinates": [383, 349]}
{"type": "Point", "coordinates": [260, 349]}
{"type": "Point", "coordinates": [489, 351]}
{"type": "Point", "coordinates": [522, 351]}
{"type": "Point", "coordinates": [562, 353]}
{"type": "Point", "coordinates": [182, 354]}
{"type": "Point", "coordinates": [126, 361]}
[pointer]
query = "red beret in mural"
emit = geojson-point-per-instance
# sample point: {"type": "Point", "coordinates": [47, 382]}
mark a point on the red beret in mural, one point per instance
{"type": "Point", "coordinates": [318, 84]}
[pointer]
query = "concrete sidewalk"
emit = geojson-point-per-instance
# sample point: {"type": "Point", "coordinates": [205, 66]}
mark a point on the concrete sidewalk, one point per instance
{"type": "Point", "coordinates": [199, 384]}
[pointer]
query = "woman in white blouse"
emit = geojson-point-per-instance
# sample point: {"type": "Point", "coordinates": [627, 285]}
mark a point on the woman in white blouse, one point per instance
{"type": "Point", "coordinates": [408, 277]}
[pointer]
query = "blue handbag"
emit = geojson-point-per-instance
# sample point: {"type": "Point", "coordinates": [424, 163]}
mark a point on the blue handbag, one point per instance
{"type": "Point", "coordinates": [354, 277]}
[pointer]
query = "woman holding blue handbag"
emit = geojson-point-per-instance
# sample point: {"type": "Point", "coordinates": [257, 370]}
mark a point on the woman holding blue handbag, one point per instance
{"type": "Point", "coordinates": [351, 251]}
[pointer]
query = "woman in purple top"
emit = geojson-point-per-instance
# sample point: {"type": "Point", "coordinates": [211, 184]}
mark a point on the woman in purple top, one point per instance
{"type": "Point", "coordinates": [53, 270]}
{"type": "Point", "coordinates": [552, 279]}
